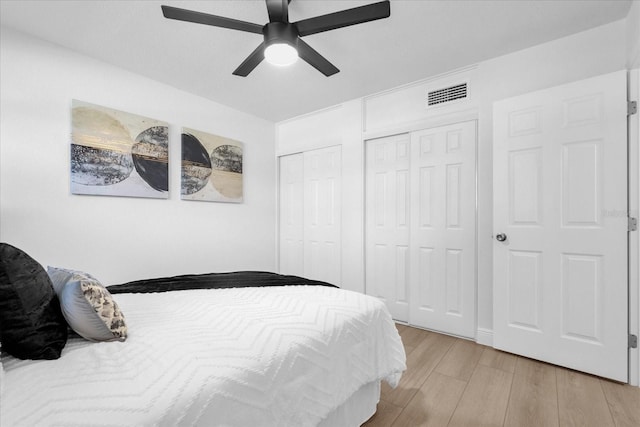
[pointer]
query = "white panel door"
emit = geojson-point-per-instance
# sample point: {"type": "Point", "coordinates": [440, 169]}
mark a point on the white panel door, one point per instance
{"type": "Point", "coordinates": [387, 222]}
{"type": "Point", "coordinates": [291, 213]}
{"type": "Point", "coordinates": [560, 202]}
{"type": "Point", "coordinates": [443, 229]}
{"type": "Point", "coordinates": [322, 210]}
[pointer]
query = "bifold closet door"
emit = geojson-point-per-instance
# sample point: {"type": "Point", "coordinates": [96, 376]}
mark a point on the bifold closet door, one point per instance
{"type": "Point", "coordinates": [421, 226]}
{"type": "Point", "coordinates": [291, 214]}
{"type": "Point", "coordinates": [443, 229]}
{"type": "Point", "coordinates": [310, 214]}
{"type": "Point", "coordinates": [322, 214]}
{"type": "Point", "coordinates": [387, 222]}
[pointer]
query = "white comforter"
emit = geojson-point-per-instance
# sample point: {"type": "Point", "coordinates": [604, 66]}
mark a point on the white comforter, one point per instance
{"type": "Point", "coordinates": [247, 357]}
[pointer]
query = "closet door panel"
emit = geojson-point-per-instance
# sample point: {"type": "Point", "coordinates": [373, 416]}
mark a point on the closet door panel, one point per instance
{"type": "Point", "coordinates": [387, 220]}
{"type": "Point", "coordinates": [322, 210]}
{"type": "Point", "coordinates": [421, 226]}
{"type": "Point", "coordinates": [443, 231]}
{"type": "Point", "coordinates": [291, 215]}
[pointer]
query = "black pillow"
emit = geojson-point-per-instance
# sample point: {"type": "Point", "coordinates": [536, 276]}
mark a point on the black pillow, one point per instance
{"type": "Point", "coordinates": [31, 322]}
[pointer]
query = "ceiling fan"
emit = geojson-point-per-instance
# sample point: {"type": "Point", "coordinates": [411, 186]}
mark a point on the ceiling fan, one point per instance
{"type": "Point", "coordinates": [282, 43]}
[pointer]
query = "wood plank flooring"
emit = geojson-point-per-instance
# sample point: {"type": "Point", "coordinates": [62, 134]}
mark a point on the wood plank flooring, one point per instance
{"type": "Point", "coordinates": [455, 382]}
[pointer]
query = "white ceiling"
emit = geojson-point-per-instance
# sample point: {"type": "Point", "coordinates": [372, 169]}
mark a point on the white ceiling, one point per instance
{"type": "Point", "coordinates": [420, 39]}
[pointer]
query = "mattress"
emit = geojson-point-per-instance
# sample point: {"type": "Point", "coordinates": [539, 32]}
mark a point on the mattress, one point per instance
{"type": "Point", "coordinates": [265, 356]}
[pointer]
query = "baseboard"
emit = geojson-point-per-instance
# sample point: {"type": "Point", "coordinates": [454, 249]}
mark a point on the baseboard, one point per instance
{"type": "Point", "coordinates": [484, 336]}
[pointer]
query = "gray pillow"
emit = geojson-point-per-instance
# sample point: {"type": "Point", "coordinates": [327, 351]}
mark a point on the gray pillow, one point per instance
{"type": "Point", "coordinates": [88, 307]}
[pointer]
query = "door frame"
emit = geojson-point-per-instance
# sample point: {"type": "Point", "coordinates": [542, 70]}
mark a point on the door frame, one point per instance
{"type": "Point", "coordinates": [633, 138]}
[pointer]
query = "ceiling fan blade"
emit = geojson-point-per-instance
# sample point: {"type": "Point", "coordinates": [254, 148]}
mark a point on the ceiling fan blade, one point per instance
{"type": "Point", "coordinates": [316, 60]}
{"type": "Point", "coordinates": [278, 10]}
{"type": "Point", "coordinates": [207, 19]}
{"type": "Point", "coordinates": [251, 62]}
{"type": "Point", "coordinates": [344, 18]}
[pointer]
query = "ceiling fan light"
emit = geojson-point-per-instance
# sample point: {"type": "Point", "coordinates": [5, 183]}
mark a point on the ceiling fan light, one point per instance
{"type": "Point", "coordinates": [281, 54]}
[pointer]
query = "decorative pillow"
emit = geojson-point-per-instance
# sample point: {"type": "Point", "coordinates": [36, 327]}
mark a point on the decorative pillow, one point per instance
{"type": "Point", "coordinates": [88, 306]}
{"type": "Point", "coordinates": [31, 323]}
{"type": "Point", "coordinates": [61, 276]}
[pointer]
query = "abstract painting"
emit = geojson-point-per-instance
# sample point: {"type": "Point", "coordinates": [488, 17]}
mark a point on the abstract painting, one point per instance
{"type": "Point", "coordinates": [211, 167]}
{"type": "Point", "coordinates": [114, 153]}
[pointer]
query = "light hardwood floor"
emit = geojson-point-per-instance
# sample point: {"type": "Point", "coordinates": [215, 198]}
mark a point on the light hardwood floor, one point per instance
{"type": "Point", "coordinates": [455, 382]}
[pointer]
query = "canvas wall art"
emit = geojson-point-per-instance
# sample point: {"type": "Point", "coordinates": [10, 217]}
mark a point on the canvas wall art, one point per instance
{"type": "Point", "coordinates": [211, 167]}
{"type": "Point", "coordinates": [114, 153]}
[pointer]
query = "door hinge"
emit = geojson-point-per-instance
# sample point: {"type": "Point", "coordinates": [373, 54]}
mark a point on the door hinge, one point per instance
{"type": "Point", "coordinates": [633, 341]}
{"type": "Point", "coordinates": [633, 223]}
{"type": "Point", "coordinates": [632, 108]}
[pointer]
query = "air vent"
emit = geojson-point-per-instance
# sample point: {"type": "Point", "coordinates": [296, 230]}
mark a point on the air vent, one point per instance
{"type": "Point", "coordinates": [448, 94]}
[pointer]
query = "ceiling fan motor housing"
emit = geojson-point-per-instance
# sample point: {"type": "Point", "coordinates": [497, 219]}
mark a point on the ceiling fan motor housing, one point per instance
{"type": "Point", "coordinates": [280, 32]}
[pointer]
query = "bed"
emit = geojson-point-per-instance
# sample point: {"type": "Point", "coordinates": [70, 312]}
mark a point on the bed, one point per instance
{"type": "Point", "coordinates": [232, 349]}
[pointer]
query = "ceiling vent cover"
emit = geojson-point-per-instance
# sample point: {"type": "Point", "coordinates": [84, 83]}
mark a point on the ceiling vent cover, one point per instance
{"type": "Point", "coordinates": [448, 94]}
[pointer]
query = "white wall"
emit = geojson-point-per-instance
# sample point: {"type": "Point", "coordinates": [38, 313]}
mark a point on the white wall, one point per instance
{"type": "Point", "coordinates": [633, 36]}
{"type": "Point", "coordinates": [590, 53]}
{"type": "Point", "coordinates": [116, 238]}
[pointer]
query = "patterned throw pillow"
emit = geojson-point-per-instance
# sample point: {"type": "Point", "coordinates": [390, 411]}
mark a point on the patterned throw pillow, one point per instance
{"type": "Point", "coordinates": [88, 306]}
{"type": "Point", "coordinates": [61, 276]}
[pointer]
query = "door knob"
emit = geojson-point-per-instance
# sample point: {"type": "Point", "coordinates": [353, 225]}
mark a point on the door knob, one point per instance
{"type": "Point", "coordinates": [501, 237]}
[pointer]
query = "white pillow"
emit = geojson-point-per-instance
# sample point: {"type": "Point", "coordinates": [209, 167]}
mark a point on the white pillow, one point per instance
{"type": "Point", "coordinates": [88, 307]}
